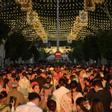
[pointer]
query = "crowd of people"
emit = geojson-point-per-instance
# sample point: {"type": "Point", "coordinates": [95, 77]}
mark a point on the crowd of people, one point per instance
{"type": "Point", "coordinates": [46, 88]}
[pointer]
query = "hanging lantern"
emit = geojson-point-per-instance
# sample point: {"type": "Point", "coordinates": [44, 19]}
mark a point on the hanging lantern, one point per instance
{"type": "Point", "coordinates": [89, 5]}
{"type": "Point", "coordinates": [99, 1]}
{"type": "Point", "coordinates": [69, 39]}
{"type": "Point", "coordinates": [22, 2]}
{"type": "Point", "coordinates": [25, 4]}
{"type": "Point", "coordinates": [45, 39]}
{"type": "Point", "coordinates": [83, 17]}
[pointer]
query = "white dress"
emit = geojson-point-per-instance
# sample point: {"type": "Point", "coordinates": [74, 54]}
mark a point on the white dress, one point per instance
{"type": "Point", "coordinates": [66, 102]}
{"type": "Point", "coordinates": [29, 107]}
{"type": "Point", "coordinates": [78, 94]}
{"type": "Point", "coordinates": [58, 94]}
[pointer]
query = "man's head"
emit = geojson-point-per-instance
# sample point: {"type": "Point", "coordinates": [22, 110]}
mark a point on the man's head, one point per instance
{"type": "Point", "coordinates": [81, 105]}
{"type": "Point", "coordinates": [34, 97]}
{"type": "Point", "coordinates": [3, 97]}
{"type": "Point", "coordinates": [110, 84]}
{"type": "Point", "coordinates": [97, 84]}
{"type": "Point", "coordinates": [73, 85]}
{"type": "Point", "coordinates": [62, 82]}
{"type": "Point", "coordinates": [14, 85]}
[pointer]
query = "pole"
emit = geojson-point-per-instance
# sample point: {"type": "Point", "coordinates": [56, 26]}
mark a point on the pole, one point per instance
{"type": "Point", "coordinates": [58, 27]}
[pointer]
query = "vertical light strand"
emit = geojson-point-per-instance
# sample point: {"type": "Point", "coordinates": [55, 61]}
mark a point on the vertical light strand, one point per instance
{"type": "Point", "coordinates": [58, 27]}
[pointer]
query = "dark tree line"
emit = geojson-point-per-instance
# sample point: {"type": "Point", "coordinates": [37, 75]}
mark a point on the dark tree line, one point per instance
{"type": "Point", "coordinates": [93, 47]}
{"type": "Point", "coordinates": [16, 45]}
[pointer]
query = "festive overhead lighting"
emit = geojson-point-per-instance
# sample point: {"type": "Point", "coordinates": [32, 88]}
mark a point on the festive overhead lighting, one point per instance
{"type": "Point", "coordinates": [80, 22]}
{"type": "Point", "coordinates": [34, 21]}
{"type": "Point", "coordinates": [33, 18]}
{"type": "Point", "coordinates": [83, 17]}
{"type": "Point", "coordinates": [45, 10]}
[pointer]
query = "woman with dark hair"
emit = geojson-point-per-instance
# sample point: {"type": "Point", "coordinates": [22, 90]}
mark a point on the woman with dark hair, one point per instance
{"type": "Point", "coordinates": [69, 99]}
{"type": "Point", "coordinates": [4, 107]}
{"type": "Point", "coordinates": [35, 87]}
{"type": "Point", "coordinates": [97, 106]}
{"type": "Point", "coordinates": [111, 93]}
{"type": "Point", "coordinates": [75, 94]}
{"type": "Point", "coordinates": [81, 105]}
{"type": "Point", "coordinates": [32, 105]}
{"type": "Point", "coordinates": [51, 104]}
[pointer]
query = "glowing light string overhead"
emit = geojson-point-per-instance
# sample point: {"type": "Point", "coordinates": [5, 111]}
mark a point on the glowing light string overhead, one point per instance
{"type": "Point", "coordinates": [33, 18]}
{"type": "Point", "coordinates": [14, 15]}
{"type": "Point", "coordinates": [81, 21]}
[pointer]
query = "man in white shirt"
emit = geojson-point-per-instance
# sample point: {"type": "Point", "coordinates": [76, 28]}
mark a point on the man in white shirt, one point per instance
{"type": "Point", "coordinates": [32, 105]}
{"type": "Point", "coordinates": [24, 84]}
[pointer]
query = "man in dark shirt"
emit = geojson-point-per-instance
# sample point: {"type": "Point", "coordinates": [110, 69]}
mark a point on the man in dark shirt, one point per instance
{"type": "Point", "coordinates": [102, 94]}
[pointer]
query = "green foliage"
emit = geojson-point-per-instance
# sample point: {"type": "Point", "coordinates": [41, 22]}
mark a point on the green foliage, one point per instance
{"type": "Point", "coordinates": [77, 51]}
{"type": "Point", "coordinates": [4, 29]}
{"type": "Point", "coordinates": [16, 47]}
{"type": "Point", "coordinates": [105, 44]}
{"type": "Point", "coordinates": [93, 47]}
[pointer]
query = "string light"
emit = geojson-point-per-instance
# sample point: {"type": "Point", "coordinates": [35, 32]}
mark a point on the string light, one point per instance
{"type": "Point", "coordinates": [45, 13]}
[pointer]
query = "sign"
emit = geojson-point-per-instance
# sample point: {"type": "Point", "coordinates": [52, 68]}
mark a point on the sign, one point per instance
{"type": "Point", "coordinates": [83, 16]}
{"type": "Point", "coordinates": [58, 55]}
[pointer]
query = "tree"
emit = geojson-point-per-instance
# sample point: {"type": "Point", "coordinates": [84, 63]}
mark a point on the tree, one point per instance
{"type": "Point", "coordinates": [77, 51]}
{"type": "Point", "coordinates": [105, 44]}
{"type": "Point", "coordinates": [91, 48]}
{"type": "Point", "coordinates": [4, 30]}
{"type": "Point", "coordinates": [16, 47]}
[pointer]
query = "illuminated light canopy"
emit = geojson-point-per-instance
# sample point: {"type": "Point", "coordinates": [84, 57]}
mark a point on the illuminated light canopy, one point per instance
{"type": "Point", "coordinates": [33, 19]}
{"type": "Point", "coordinates": [80, 22]}
{"type": "Point", "coordinates": [45, 12]}
{"type": "Point", "coordinates": [83, 17]}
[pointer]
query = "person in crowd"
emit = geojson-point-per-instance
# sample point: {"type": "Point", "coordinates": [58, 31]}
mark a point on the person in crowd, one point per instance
{"type": "Point", "coordinates": [110, 86]}
{"type": "Point", "coordinates": [102, 94]}
{"type": "Point", "coordinates": [41, 79]}
{"type": "Point", "coordinates": [97, 106]}
{"type": "Point", "coordinates": [82, 76]}
{"type": "Point", "coordinates": [4, 107]}
{"type": "Point", "coordinates": [46, 91]}
{"type": "Point", "coordinates": [70, 98]}
{"type": "Point", "coordinates": [80, 105]}
{"type": "Point", "coordinates": [58, 94]}
{"type": "Point", "coordinates": [1, 82]}
{"type": "Point", "coordinates": [35, 87]}
{"type": "Point", "coordinates": [51, 104]}
{"type": "Point", "coordinates": [74, 93]}
{"type": "Point", "coordinates": [64, 84]}
{"type": "Point", "coordinates": [110, 89]}
{"type": "Point", "coordinates": [15, 96]}
{"type": "Point", "coordinates": [32, 105]}
{"type": "Point", "coordinates": [24, 84]}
